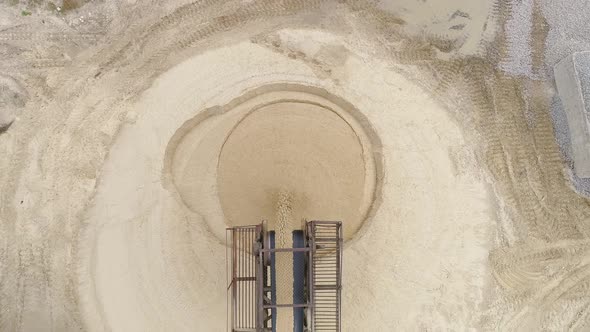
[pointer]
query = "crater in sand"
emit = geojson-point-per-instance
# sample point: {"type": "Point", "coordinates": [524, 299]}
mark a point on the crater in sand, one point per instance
{"type": "Point", "coordinates": [237, 158]}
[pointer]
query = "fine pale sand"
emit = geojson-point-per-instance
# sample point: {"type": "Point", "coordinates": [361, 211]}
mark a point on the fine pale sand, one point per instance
{"type": "Point", "coordinates": [302, 148]}
{"type": "Point", "coordinates": [424, 162]}
{"type": "Point", "coordinates": [116, 187]}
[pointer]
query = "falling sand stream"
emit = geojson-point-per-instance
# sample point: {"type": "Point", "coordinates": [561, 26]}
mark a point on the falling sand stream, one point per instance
{"type": "Point", "coordinates": [284, 261]}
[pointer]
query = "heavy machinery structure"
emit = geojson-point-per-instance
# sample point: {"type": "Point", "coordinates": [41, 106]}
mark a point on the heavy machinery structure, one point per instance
{"type": "Point", "coordinates": [316, 256]}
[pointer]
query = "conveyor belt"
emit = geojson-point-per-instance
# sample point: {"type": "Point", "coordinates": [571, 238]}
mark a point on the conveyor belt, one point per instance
{"type": "Point", "coordinates": [298, 281]}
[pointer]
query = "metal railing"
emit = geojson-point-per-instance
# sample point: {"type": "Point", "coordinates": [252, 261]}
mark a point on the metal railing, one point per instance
{"type": "Point", "coordinates": [325, 275]}
{"type": "Point", "coordinates": [242, 275]}
{"type": "Point", "coordinates": [250, 256]}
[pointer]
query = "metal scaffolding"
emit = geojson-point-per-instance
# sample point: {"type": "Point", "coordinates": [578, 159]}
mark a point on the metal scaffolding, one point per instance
{"type": "Point", "coordinates": [317, 278]}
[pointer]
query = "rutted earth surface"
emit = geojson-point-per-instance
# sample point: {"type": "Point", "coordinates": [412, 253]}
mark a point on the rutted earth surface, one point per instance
{"type": "Point", "coordinates": [475, 222]}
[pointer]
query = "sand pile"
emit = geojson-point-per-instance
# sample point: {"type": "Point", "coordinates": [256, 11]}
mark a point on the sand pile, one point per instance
{"type": "Point", "coordinates": [277, 137]}
{"type": "Point", "coordinates": [148, 256]}
{"type": "Point", "coordinates": [307, 150]}
{"type": "Point", "coordinates": [123, 165]}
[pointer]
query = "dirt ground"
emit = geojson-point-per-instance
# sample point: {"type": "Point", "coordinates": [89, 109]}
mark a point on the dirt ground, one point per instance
{"type": "Point", "coordinates": [112, 192]}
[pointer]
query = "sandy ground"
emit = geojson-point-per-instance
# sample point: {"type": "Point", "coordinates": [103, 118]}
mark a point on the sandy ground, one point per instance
{"type": "Point", "coordinates": [110, 210]}
{"type": "Point", "coordinates": [308, 151]}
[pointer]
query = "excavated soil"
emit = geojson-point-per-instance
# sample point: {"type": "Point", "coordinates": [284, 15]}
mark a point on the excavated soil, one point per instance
{"type": "Point", "coordinates": [116, 184]}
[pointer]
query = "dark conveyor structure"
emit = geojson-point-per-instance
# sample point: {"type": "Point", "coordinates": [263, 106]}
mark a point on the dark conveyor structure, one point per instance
{"type": "Point", "coordinates": [316, 255]}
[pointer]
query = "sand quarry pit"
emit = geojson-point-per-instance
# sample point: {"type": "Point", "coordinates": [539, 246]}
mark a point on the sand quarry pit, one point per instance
{"type": "Point", "coordinates": [133, 133]}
